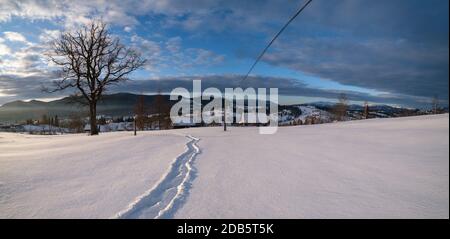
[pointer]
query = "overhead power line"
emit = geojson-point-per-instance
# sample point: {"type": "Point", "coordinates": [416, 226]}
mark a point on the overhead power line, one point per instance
{"type": "Point", "coordinates": [262, 54]}
{"type": "Point", "coordinates": [275, 37]}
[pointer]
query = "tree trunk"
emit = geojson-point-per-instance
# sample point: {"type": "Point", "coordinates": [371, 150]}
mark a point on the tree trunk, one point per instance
{"type": "Point", "coordinates": [134, 126]}
{"type": "Point", "coordinates": [224, 116]}
{"type": "Point", "coordinates": [93, 117]}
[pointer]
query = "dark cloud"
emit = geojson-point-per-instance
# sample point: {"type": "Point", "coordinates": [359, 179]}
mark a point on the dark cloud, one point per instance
{"type": "Point", "coordinates": [396, 67]}
{"type": "Point", "coordinates": [31, 87]}
{"type": "Point", "coordinates": [26, 87]}
{"type": "Point", "coordinates": [286, 86]}
{"type": "Point", "coordinates": [394, 46]}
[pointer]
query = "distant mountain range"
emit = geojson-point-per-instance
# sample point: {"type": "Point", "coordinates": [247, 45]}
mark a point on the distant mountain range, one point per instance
{"type": "Point", "coordinates": [122, 104]}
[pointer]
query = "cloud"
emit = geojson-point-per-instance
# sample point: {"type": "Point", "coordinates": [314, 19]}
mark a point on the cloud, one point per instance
{"type": "Point", "coordinates": [24, 61]}
{"type": "Point", "coordinates": [190, 15]}
{"type": "Point", "coordinates": [398, 67]}
{"type": "Point", "coordinates": [170, 53]}
{"type": "Point", "coordinates": [17, 87]}
{"type": "Point", "coordinates": [14, 36]}
{"type": "Point", "coordinates": [127, 29]}
{"type": "Point", "coordinates": [48, 35]}
{"type": "Point", "coordinates": [30, 9]}
{"type": "Point", "coordinates": [174, 44]}
{"type": "Point", "coordinates": [399, 46]}
{"type": "Point", "coordinates": [4, 50]}
{"type": "Point", "coordinates": [69, 13]}
{"type": "Point", "coordinates": [286, 86]}
{"type": "Point", "coordinates": [29, 87]}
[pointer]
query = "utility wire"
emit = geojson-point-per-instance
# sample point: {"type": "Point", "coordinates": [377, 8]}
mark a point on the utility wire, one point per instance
{"type": "Point", "coordinates": [262, 54]}
{"type": "Point", "coordinates": [275, 37]}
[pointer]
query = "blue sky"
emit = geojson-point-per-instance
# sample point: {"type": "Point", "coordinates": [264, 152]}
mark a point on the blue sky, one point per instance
{"type": "Point", "coordinates": [393, 52]}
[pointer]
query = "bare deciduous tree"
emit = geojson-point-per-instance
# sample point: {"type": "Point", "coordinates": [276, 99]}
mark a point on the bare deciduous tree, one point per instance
{"type": "Point", "coordinates": [140, 113]}
{"type": "Point", "coordinates": [435, 104]}
{"type": "Point", "coordinates": [162, 110]}
{"type": "Point", "coordinates": [340, 109]}
{"type": "Point", "coordinates": [366, 110]}
{"type": "Point", "coordinates": [75, 123]}
{"type": "Point", "coordinates": [91, 60]}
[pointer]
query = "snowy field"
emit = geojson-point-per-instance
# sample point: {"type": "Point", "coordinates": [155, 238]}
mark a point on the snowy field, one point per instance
{"type": "Point", "coordinates": [380, 168]}
{"type": "Point", "coordinates": [76, 176]}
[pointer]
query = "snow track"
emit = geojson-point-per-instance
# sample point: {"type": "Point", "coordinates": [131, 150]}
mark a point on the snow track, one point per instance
{"type": "Point", "coordinates": [163, 200]}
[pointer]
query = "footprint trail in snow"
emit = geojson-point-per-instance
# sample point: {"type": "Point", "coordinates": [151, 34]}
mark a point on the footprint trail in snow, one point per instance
{"type": "Point", "coordinates": [167, 196]}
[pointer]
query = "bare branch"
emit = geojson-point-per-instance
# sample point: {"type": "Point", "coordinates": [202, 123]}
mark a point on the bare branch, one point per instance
{"type": "Point", "coordinates": [90, 60]}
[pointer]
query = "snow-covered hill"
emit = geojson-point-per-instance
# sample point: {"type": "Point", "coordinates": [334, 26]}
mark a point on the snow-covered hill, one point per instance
{"type": "Point", "coordinates": [379, 168]}
{"type": "Point", "coordinates": [307, 113]}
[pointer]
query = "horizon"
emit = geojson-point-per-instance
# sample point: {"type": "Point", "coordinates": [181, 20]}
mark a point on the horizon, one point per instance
{"type": "Point", "coordinates": [282, 102]}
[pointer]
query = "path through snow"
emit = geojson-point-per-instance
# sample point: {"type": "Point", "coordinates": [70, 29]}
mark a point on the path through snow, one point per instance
{"type": "Point", "coordinates": [170, 192]}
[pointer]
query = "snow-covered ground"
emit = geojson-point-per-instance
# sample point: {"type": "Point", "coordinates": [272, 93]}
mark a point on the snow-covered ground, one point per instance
{"type": "Point", "coordinates": [380, 168]}
{"type": "Point", "coordinates": [76, 176]}
{"type": "Point", "coordinates": [307, 111]}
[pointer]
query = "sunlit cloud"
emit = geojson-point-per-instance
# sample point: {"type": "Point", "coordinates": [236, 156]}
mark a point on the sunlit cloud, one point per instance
{"type": "Point", "coordinates": [4, 50]}
{"type": "Point", "coordinates": [14, 36]}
